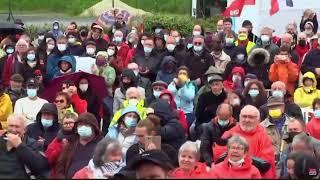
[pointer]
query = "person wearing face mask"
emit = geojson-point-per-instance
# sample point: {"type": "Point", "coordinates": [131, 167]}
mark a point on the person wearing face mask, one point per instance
{"type": "Point", "coordinates": [160, 44]}
{"type": "Point", "coordinates": [30, 106]}
{"type": "Point", "coordinates": [287, 40]}
{"type": "Point", "coordinates": [313, 126]}
{"type": "Point", "coordinates": [235, 80]}
{"type": "Point", "coordinates": [14, 61]}
{"type": "Point", "coordinates": [75, 47]}
{"type": "Point", "coordinates": [90, 49]}
{"type": "Point", "coordinates": [229, 45]}
{"type": "Point", "coordinates": [283, 69]}
{"type": "Point", "coordinates": [180, 47]}
{"type": "Point", "coordinates": [235, 99]}
{"type": "Point", "coordinates": [168, 69]}
{"type": "Point", "coordinates": [220, 58]}
{"type": "Point", "coordinates": [66, 65]}
{"type": "Point", "coordinates": [238, 163]}
{"type": "Point", "coordinates": [5, 107]}
{"type": "Point", "coordinates": [149, 61]}
{"type": "Point", "coordinates": [252, 37]}
{"type": "Point", "coordinates": [16, 90]}
{"type": "Point", "coordinates": [157, 88]}
{"type": "Point", "coordinates": [124, 129]}
{"type": "Point", "coordinates": [254, 94]}
{"type": "Point", "coordinates": [45, 49]}
{"type": "Point", "coordinates": [309, 16]}
{"type": "Point", "coordinates": [30, 64]}
{"type": "Point", "coordinates": [276, 125]}
{"type": "Point", "coordinates": [243, 40]}
{"type": "Point", "coordinates": [304, 96]}
{"type": "Point", "coordinates": [76, 154]}
{"type": "Point", "coordinates": [171, 49]}
{"type": "Point", "coordinates": [85, 92]}
{"type": "Point", "coordinates": [302, 47]}
{"type": "Point", "coordinates": [209, 101]}
{"type": "Point", "coordinates": [40, 37]}
{"type": "Point", "coordinates": [102, 68]}
{"type": "Point", "coordinates": [279, 90]}
{"type": "Point", "coordinates": [119, 63]}
{"type": "Point", "coordinates": [198, 60]}
{"type": "Point", "coordinates": [212, 132]}
{"type": "Point", "coordinates": [266, 43]}
{"type": "Point", "coordinates": [46, 127]}
{"type": "Point", "coordinates": [239, 58]}
{"type": "Point", "coordinates": [184, 92]}
{"type": "Point", "coordinates": [56, 32]}
{"type": "Point", "coordinates": [227, 29]}
{"type": "Point", "coordinates": [133, 41]}
{"type": "Point", "coordinates": [142, 81]}
{"type": "Point", "coordinates": [312, 37]}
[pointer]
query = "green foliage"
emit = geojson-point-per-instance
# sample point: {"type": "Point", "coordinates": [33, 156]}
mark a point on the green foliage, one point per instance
{"type": "Point", "coordinates": [71, 7]}
{"type": "Point", "coordinates": [184, 24]}
{"type": "Point", "coordinates": [162, 6]}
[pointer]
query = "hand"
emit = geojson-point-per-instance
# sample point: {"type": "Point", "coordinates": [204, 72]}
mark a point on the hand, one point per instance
{"type": "Point", "coordinates": [317, 71]}
{"type": "Point", "coordinates": [151, 146]}
{"type": "Point", "coordinates": [41, 141]}
{"type": "Point", "coordinates": [198, 82]}
{"type": "Point", "coordinates": [13, 139]}
{"type": "Point", "coordinates": [175, 80]}
{"type": "Point", "coordinates": [72, 90]}
{"type": "Point", "coordinates": [65, 142]}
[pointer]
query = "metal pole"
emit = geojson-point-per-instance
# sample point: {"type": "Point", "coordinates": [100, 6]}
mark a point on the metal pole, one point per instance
{"type": "Point", "coordinates": [112, 3]}
{"type": "Point", "coordinates": [10, 15]}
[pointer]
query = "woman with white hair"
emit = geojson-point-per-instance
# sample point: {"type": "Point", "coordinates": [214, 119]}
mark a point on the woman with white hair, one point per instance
{"type": "Point", "coordinates": [189, 165]}
{"type": "Point", "coordinates": [106, 161]}
{"type": "Point", "coordinates": [237, 164]}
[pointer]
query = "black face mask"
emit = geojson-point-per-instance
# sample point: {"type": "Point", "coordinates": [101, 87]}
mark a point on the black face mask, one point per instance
{"type": "Point", "coordinates": [290, 137]}
{"type": "Point", "coordinates": [302, 43]}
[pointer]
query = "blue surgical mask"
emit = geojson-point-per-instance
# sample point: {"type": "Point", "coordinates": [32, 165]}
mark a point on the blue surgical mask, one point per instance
{"type": "Point", "coordinates": [32, 93]}
{"type": "Point", "coordinates": [147, 50]}
{"type": "Point", "coordinates": [118, 39]}
{"type": "Point", "coordinates": [253, 93]}
{"type": "Point", "coordinates": [223, 123]}
{"type": "Point", "coordinates": [84, 131]}
{"type": "Point", "coordinates": [156, 93]}
{"type": "Point", "coordinates": [189, 46]}
{"type": "Point", "coordinates": [278, 94]}
{"type": "Point", "coordinates": [130, 122]}
{"type": "Point", "coordinates": [31, 57]}
{"type": "Point", "coordinates": [157, 30]}
{"type": "Point", "coordinates": [316, 113]}
{"type": "Point", "coordinates": [198, 48]}
{"type": "Point", "coordinates": [46, 122]}
{"type": "Point", "coordinates": [10, 50]}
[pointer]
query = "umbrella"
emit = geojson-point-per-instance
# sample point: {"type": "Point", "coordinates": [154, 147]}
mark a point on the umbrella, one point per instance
{"type": "Point", "coordinates": [96, 83]}
{"type": "Point", "coordinates": [9, 28]}
{"type": "Point", "coordinates": [108, 18]}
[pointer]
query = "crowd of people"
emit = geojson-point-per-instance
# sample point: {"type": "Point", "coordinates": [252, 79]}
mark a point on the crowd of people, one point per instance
{"type": "Point", "coordinates": [220, 104]}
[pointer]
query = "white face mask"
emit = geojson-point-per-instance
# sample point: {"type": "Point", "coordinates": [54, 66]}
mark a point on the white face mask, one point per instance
{"type": "Point", "coordinates": [236, 78]}
{"type": "Point", "coordinates": [32, 64]}
{"type": "Point", "coordinates": [90, 51]}
{"type": "Point", "coordinates": [56, 27]}
{"type": "Point", "coordinates": [235, 102]}
{"type": "Point", "coordinates": [41, 37]}
{"type": "Point", "coordinates": [196, 33]}
{"type": "Point", "coordinates": [62, 47]}
{"type": "Point", "coordinates": [50, 46]}
{"type": "Point", "coordinates": [236, 163]}
{"type": "Point", "coordinates": [170, 47]}
{"type": "Point", "coordinates": [83, 87]}
{"type": "Point", "coordinates": [110, 52]}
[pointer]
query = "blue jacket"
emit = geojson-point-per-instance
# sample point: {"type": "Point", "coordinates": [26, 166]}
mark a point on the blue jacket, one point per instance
{"type": "Point", "coordinates": [70, 59]}
{"type": "Point", "coordinates": [184, 96]}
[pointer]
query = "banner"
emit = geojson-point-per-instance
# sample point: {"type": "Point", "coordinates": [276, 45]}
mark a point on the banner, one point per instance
{"type": "Point", "coordinates": [274, 7]}
{"type": "Point", "coordinates": [235, 9]}
{"type": "Point", "coordinates": [250, 2]}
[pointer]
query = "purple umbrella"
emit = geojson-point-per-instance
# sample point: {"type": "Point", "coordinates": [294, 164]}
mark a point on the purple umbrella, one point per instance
{"type": "Point", "coordinates": [96, 83]}
{"type": "Point", "coordinates": [108, 17]}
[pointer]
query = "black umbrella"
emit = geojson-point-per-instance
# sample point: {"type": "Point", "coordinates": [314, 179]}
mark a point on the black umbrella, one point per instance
{"type": "Point", "coordinates": [9, 28]}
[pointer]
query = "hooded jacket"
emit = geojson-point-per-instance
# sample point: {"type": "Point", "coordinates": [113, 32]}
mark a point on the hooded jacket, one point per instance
{"type": "Point", "coordinates": [181, 113]}
{"type": "Point", "coordinates": [36, 130]}
{"type": "Point", "coordinates": [56, 32]}
{"type": "Point", "coordinates": [259, 65]}
{"type": "Point", "coordinates": [224, 170]}
{"type": "Point", "coordinates": [163, 75]}
{"type": "Point", "coordinates": [287, 72]}
{"type": "Point", "coordinates": [313, 128]}
{"type": "Point", "coordinates": [200, 171]}
{"type": "Point", "coordinates": [119, 63]}
{"type": "Point", "coordinates": [260, 146]}
{"type": "Point", "coordinates": [229, 85]}
{"type": "Point", "coordinates": [69, 59]}
{"type": "Point", "coordinates": [311, 61]}
{"type": "Point", "coordinates": [5, 109]}
{"type": "Point", "coordinates": [171, 130]}
{"type": "Point", "coordinates": [211, 135]}
{"type": "Point", "coordinates": [236, 62]}
{"type": "Point", "coordinates": [302, 97]}
{"type": "Point", "coordinates": [301, 51]}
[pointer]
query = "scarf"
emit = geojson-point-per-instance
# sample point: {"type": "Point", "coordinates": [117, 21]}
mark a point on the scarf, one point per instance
{"type": "Point", "coordinates": [108, 169]}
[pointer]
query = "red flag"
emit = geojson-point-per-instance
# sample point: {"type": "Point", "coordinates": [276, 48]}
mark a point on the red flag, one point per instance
{"type": "Point", "coordinates": [234, 9]}
{"type": "Point", "coordinates": [250, 2]}
{"type": "Point", "coordinates": [274, 7]}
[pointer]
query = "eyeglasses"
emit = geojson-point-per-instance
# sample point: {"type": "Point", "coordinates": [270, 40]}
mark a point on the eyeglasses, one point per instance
{"type": "Point", "coordinates": [68, 123]}
{"type": "Point", "coordinates": [59, 101]}
{"type": "Point", "coordinates": [237, 148]}
{"type": "Point", "coordinates": [248, 116]}
{"type": "Point", "coordinates": [197, 43]}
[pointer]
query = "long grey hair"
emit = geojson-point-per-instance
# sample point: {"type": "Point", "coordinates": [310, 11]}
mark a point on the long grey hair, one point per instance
{"type": "Point", "coordinates": [105, 146]}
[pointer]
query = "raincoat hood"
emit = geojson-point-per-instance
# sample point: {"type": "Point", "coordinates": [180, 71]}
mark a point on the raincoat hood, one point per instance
{"type": "Point", "coordinates": [129, 73]}
{"type": "Point", "coordinates": [50, 108]}
{"type": "Point", "coordinates": [163, 110]}
{"type": "Point", "coordinates": [167, 60]}
{"type": "Point", "coordinates": [172, 102]}
{"type": "Point", "coordinates": [238, 69]}
{"type": "Point", "coordinates": [310, 75]}
{"type": "Point", "coordinates": [258, 56]}
{"type": "Point", "coordinates": [70, 59]}
{"type": "Point", "coordinates": [129, 109]}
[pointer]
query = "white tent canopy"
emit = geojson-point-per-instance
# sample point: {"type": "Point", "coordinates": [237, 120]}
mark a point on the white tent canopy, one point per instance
{"type": "Point", "coordinates": [259, 15]}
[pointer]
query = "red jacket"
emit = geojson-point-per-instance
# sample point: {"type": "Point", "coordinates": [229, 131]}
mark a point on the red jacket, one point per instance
{"type": "Point", "coordinates": [52, 153]}
{"type": "Point", "coordinates": [79, 104]}
{"type": "Point", "coordinates": [84, 173]}
{"type": "Point", "coordinates": [313, 128]}
{"type": "Point", "coordinates": [301, 51]}
{"type": "Point", "coordinates": [228, 84]}
{"type": "Point", "coordinates": [8, 70]}
{"type": "Point", "coordinates": [260, 145]}
{"type": "Point", "coordinates": [199, 171]}
{"type": "Point", "coordinates": [130, 55]}
{"type": "Point", "coordinates": [224, 170]}
{"type": "Point", "coordinates": [181, 114]}
{"type": "Point", "coordinates": [120, 63]}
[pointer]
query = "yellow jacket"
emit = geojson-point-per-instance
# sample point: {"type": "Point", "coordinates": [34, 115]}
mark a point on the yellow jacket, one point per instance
{"type": "Point", "coordinates": [140, 106]}
{"type": "Point", "coordinates": [250, 45]}
{"type": "Point", "coordinates": [302, 97]}
{"type": "Point", "coordinates": [5, 109]}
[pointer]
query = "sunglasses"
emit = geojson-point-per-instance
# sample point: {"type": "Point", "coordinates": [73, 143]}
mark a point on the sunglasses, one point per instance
{"type": "Point", "coordinates": [59, 101]}
{"type": "Point", "coordinates": [197, 43]}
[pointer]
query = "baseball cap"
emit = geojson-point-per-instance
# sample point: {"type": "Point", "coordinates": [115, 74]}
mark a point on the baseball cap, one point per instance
{"type": "Point", "coordinates": [274, 101]}
{"type": "Point", "coordinates": [160, 83]}
{"type": "Point", "coordinates": [32, 83]}
{"type": "Point", "coordinates": [16, 78]}
{"type": "Point", "coordinates": [157, 157]}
